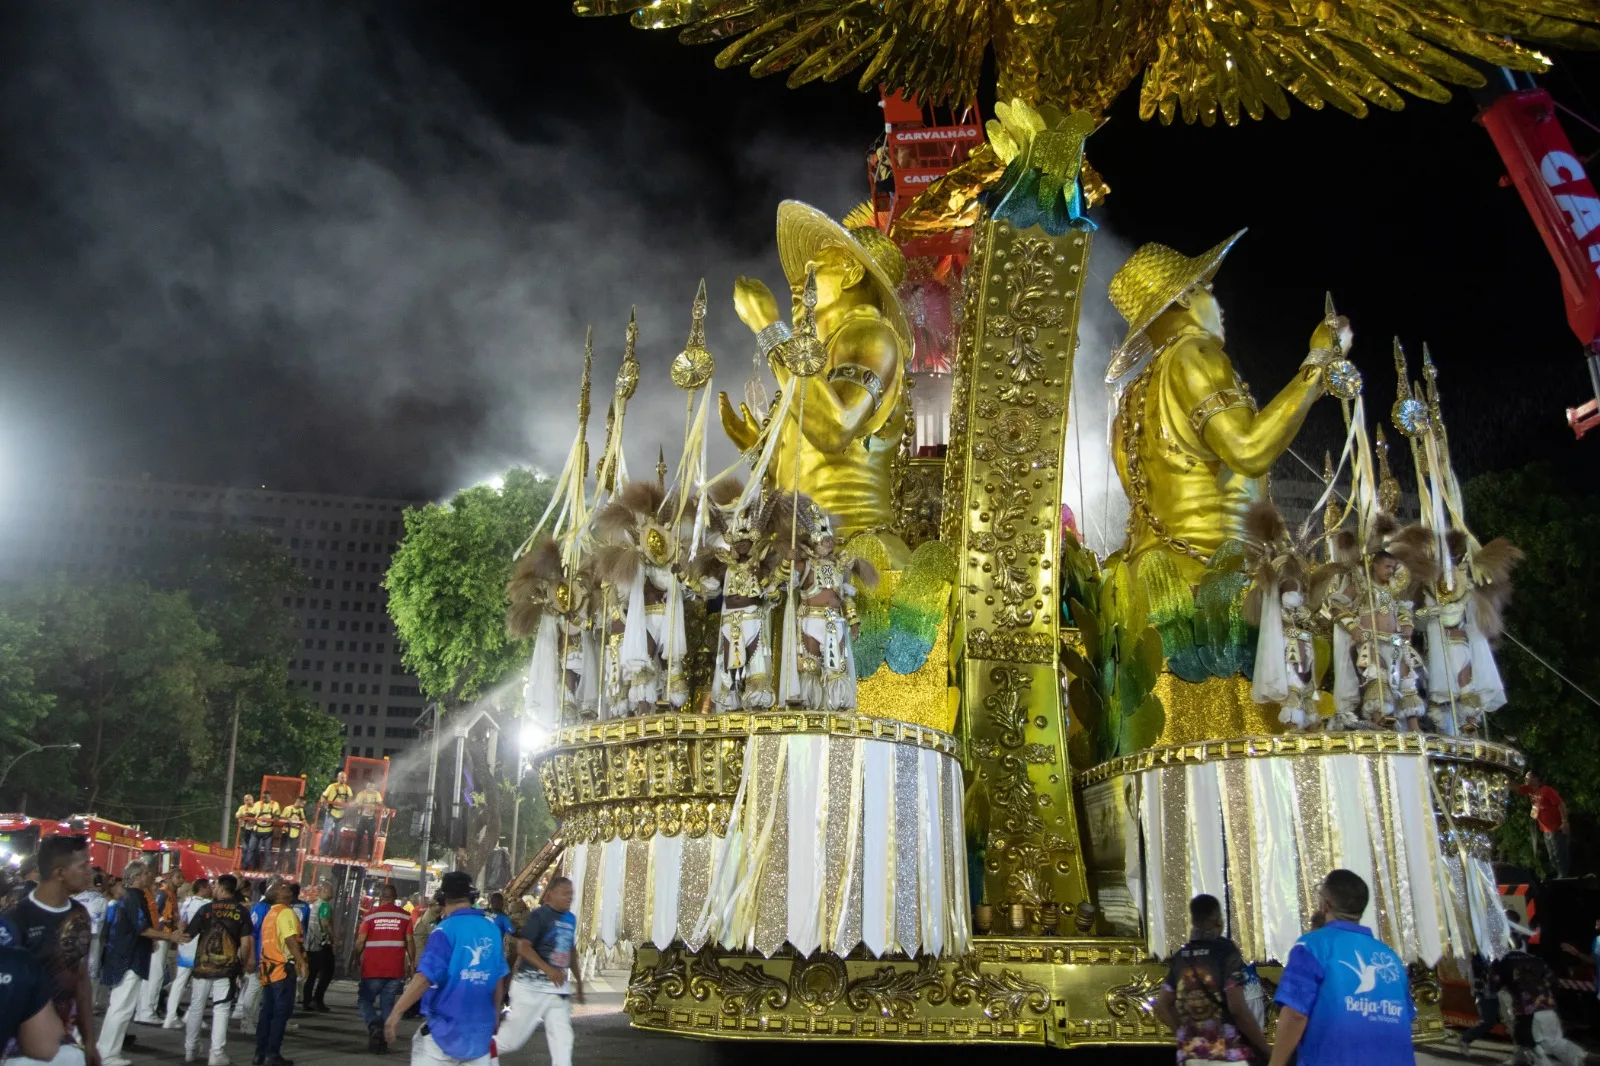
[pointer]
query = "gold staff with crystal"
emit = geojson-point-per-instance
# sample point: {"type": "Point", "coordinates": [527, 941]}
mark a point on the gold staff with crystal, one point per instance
{"type": "Point", "coordinates": [614, 466]}
{"type": "Point", "coordinates": [567, 501]}
{"type": "Point", "coordinates": [691, 370]}
{"type": "Point", "coordinates": [803, 355]}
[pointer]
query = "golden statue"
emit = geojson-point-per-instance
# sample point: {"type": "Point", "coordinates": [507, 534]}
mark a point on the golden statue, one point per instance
{"type": "Point", "coordinates": [853, 411]}
{"type": "Point", "coordinates": [1192, 448]}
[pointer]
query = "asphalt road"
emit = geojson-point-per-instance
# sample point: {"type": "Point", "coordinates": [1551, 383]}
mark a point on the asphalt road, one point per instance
{"type": "Point", "coordinates": [604, 1038]}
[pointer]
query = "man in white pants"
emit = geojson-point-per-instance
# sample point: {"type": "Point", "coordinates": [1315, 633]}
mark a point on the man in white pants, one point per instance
{"type": "Point", "coordinates": [250, 995]}
{"type": "Point", "coordinates": [220, 937]}
{"type": "Point", "coordinates": [460, 982]}
{"type": "Point", "coordinates": [547, 979]}
{"type": "Point", "coordinates": [94, 901]}
{"type": "Point", "coordinates": [128, 959]}
{"type": "Point", "coordinates": [186, 912]}
{"type": "Point", "coordinates": [166, 912]}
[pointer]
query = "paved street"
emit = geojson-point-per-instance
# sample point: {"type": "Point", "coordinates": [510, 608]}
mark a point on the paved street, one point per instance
{"type": "Point", "coordinates": [604, 1038]}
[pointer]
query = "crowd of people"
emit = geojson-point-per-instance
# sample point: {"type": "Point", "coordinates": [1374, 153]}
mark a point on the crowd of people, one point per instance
{"type": "Point", "coordinates": [483, 983]}
{"type": "Point", "coordinates": [68, 933]}
{"type": "Point", "coordinates": [1344, 995]}
{"type": "Point", "coordinates": [269, 833]}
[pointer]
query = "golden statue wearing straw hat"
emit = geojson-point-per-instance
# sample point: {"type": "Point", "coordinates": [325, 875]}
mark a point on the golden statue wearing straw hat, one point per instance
{"type": "Point", "coordinates": [853, 414]}
{"type": "Point", "coordinates": [1192, 448]}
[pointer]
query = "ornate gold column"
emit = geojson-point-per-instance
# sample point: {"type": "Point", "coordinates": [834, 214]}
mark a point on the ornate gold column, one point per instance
{"type": "Point", "coordinates": [1003, 516]}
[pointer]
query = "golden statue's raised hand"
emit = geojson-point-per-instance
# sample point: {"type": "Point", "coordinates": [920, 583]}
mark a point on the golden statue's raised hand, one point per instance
{"type": "Point", "coordinates": [741, 426]}
{"type": "Point", "coordinates": [1333, 330]}
{"type": "Point", "coordinates": [755, 304]}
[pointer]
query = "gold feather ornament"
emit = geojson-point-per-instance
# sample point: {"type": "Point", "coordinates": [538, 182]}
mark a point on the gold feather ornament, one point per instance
{"type": "Point", "coordinates": [1198, 62]}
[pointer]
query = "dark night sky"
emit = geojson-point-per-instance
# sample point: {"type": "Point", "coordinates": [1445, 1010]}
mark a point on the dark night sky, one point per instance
{"type": "Point", "coordinates": [347, 247]}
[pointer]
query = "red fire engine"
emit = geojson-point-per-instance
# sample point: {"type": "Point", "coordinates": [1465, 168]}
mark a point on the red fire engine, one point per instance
{"type": "Point", "coordinates": [112, 845]}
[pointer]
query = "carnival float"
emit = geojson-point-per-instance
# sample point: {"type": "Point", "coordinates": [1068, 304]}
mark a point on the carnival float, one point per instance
{"type": "Point", "coordinates": [854, 740]}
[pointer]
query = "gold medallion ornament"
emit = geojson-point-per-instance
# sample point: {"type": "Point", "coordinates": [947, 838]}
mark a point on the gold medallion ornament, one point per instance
{"type": "Point", "coordinates": [803, 353]}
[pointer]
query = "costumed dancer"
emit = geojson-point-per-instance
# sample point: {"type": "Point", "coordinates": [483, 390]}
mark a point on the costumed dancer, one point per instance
{"type": "Point", "coordinates": [1461, 617]}
{"type": "Point", "coordinates": [1371, 600]}
{"type": "Point", "coordinates": [636, 558]}
{"type": "Point", "coordinates": [742, 677]}
{"type": "Point", "coordinates": [551, 608]}
{"type": "Point", "coordinates": [827, 616]}
{"type": "Point", "coordinates": [1282, 606]}
{"type": "Point", "coordinates": [610, 626]}
{"type": "Point", "coordinates": [1462, 607]}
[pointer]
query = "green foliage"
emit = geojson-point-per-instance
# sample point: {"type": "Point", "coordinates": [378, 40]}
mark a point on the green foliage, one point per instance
{"type": "Point", "coordinates": [236, 582]}
{"type": "Point", "coordinates": [1553, 612]}
{"type": "Point", "coordinates": [146, 676]}
{"type": "Point", "coordinates": [22, 703]}
{"type": "Point", "coordinates": [447, 585]}
{"type": "Point", "coordinates": [129, 669]}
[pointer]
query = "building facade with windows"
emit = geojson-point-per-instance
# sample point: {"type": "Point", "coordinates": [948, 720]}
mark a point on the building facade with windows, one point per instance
{"type": "Point", "coordinates": [347, 657]}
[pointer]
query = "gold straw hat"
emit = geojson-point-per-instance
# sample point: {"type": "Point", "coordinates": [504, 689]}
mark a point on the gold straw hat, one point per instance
{"type": "Point", "coordinates": [1148, 283]}
{"type": "Point", "coordinates": [803, 231]}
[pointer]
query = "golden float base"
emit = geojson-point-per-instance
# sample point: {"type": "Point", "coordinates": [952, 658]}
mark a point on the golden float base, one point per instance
{"type": "Point", "coordinates": [1043, 991]}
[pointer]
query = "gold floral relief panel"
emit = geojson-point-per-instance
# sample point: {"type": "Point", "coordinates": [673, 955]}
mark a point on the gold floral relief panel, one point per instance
{"type": "Point", "coordinates": [1010, 410]}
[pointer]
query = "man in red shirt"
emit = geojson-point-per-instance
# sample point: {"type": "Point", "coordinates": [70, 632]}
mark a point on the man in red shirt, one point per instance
{"type": "Point", "coordinates": [384, 944]}
{"type": "Point", "coordinates": [1549, 815]}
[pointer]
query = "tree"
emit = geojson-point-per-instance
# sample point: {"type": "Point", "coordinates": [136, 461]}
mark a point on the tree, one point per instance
{"type": "Point", "coordinates": [447, 598]}
{"type": "Point", "coordinates": [22, 703]}
{"type": "Point", "coordinates": [147, 676]}
{"type": "Point", "coordinates": [129, 670]}
{"type": "Point", "coordinates": [447, 585]}
{"type": "Point", "coordinates": [238, 582]}
{"type": "Point", "coordinates": [1554, 616]}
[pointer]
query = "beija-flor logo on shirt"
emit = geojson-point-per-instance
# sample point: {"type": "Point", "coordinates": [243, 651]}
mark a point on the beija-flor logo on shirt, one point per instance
{"type": "Point", "coordinates": [1380, 965]}
{"type": "Point", "coordinates": [478, 950]}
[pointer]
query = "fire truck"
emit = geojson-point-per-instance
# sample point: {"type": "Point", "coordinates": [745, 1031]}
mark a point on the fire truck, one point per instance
{"type": "Point", "coordinates": [112, 845]}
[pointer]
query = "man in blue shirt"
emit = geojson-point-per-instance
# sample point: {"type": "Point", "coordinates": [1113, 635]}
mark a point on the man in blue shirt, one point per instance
{"type": "Point", "coordinates": [1344, 993]}
{"type": "Point", "coordinates": [547, 979]}
{"type": "Point", "coordinates": [461, 982]}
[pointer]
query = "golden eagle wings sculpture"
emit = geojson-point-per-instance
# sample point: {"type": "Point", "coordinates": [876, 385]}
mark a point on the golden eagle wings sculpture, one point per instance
{"type": "Point", "coordinates": [1199, 59]}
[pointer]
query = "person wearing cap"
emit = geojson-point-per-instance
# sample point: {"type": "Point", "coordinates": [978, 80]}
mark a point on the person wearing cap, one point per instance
{"type": "Point", "coordinates": [1192, 446]}
{"type": "Point", "coordinates": [460, 983]}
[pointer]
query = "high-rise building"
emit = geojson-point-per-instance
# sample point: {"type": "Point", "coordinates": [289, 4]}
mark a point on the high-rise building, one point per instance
{"type": "Point", "coordinates": [347, 659]}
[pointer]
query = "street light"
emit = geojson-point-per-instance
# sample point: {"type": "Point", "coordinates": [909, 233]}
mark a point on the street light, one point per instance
{"type": "Point", "coordinates": [530, 738]}
{"type": "Point", "coordinates": [33, 749]}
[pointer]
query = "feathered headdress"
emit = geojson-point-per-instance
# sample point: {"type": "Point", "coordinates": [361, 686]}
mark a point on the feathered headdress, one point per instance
{"type": "Point", "coordinates": [532, 587]}
{"type": "Point", "coordinates": [1275, 557]}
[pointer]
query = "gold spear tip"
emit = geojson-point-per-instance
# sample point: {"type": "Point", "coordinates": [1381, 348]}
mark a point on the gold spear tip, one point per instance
{"type": "Point", "coordinates": [1327, 307]}
{"type": "Point", "coordinates": [628, 372]}
{"type": "Point", "coordinates": [583, 388]}
{"type": "Point", "coordinates": [692, 367]}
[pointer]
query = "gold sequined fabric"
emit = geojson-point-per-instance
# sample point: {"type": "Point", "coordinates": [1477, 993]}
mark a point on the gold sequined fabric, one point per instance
{"type": "Point", "coordinates": [1199, 62]}
{"type": "Point", "coordinates": [813, 836]}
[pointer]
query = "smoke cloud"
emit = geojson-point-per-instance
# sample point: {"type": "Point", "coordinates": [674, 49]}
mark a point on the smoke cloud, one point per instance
{"type": "Point", "coordinates": [276, 243]}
